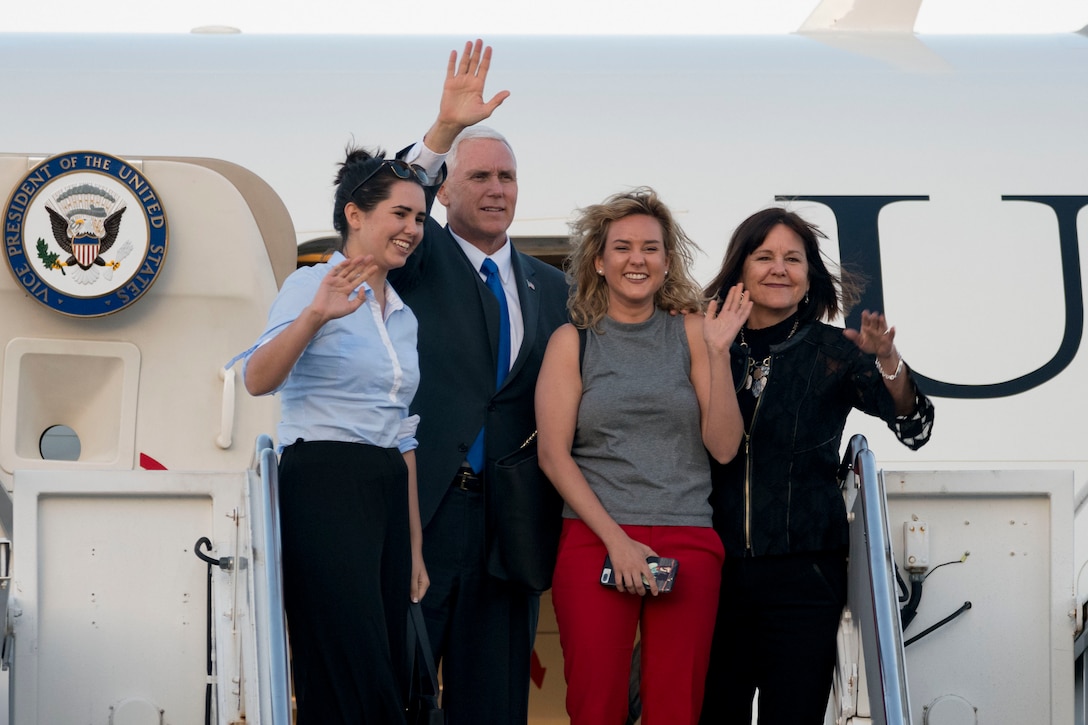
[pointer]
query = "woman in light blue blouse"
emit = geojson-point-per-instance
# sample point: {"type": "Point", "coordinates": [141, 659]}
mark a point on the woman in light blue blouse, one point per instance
{"type": "Point", "coordinates": [340, 349]}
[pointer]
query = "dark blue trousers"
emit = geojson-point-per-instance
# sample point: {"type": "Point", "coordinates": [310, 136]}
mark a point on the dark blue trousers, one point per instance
{"type": "Point", "coordinates": [481, 629]}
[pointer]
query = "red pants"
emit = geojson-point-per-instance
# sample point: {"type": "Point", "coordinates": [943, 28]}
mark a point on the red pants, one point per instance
{"type": "Point", "coordinates": [597, 626]}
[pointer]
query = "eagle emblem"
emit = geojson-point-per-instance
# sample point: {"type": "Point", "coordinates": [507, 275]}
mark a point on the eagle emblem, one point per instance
{"type": "Point", "coordinates": [85, 233]}
{"type": "Point", "coordinates": [86, 220]}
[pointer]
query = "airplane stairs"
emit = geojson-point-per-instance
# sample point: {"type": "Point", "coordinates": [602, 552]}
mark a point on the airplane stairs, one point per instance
{"type": "Point", "coordinates": [115, 616]}
{"type": "Point", "coordinates": [870, 635]}
{"type": "Point", "coordinates": [996, 630]}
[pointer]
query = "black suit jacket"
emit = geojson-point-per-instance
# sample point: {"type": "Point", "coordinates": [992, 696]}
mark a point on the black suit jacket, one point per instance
{"type": "Point", "coordinates": [458, 339]}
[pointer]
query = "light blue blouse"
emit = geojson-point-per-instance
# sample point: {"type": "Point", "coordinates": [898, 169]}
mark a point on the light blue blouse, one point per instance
{"type": "Point", "coordinates": [356, 378]}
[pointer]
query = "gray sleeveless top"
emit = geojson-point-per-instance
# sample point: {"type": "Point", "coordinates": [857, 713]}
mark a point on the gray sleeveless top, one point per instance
{"type": "Point", "coordinates": [638, 439]}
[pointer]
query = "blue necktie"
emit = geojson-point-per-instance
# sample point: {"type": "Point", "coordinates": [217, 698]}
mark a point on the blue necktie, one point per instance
{"type": "Point", "coordinates": [475, 455]}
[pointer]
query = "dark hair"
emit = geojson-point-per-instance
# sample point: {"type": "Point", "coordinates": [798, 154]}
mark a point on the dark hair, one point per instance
{"type": "Point", "coordinates": [829, 292]}
{"type": "Point", "coordinates": [358, 165]}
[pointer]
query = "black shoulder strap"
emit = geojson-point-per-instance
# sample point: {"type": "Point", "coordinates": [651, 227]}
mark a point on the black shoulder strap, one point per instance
{"type": "Point", "coordinates": [581, 347]}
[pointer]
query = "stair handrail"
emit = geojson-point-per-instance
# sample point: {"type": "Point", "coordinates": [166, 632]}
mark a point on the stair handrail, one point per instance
{"type": "Point", "coordinates": [876, 607]}
{"type": "Point", "coordinates": [272, 648]}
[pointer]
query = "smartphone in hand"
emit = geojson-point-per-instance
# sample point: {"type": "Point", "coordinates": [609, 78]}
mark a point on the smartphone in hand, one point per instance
{"type": "Point", "coordinates": [663, 568]}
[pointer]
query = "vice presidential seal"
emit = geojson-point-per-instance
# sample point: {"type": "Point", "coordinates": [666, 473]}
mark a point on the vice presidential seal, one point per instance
{"type": "Point", "coordinates": [85, 234]}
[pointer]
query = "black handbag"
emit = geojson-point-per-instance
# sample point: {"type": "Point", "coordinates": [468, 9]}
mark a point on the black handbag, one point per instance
{"type": "Point", "coordinates": [423, 706]}
{"type": "Point", "coordinates": [525, 516]}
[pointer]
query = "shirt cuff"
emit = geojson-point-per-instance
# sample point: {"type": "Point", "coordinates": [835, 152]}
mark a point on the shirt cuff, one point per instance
{"type": "Point", "coordinates": [406, 436]}
{"type": "Point", "coordinates": [914, 429]}
{"type": "Point", "coordinates": [245, 356]}
{"type": "Point", "coordinates": [430, 161]}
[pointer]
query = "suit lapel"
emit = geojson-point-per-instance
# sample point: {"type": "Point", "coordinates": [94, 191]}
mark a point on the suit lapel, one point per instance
{"type": "Point", "coordinates": [488, 305]}
{"type": "Point", "coordinates": [530, 309]}
{"type": "Point", "coordinates": [527, 295]}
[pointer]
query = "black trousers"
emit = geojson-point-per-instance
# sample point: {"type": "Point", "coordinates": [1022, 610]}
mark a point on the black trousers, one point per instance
{"type": "Point", "coordinates": [777, 626]}
{"type": "Point", "coordinates": [480, 628]}
{"type": "Point", "coordinates": [346, 568]}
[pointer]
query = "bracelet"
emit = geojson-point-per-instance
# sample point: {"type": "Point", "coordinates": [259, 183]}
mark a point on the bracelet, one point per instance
{"type": "Point", "coordinates": [898, 368]}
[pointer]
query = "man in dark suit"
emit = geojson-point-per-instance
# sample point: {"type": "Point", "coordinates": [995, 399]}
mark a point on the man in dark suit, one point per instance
{"type": "Point", "coordinates": [481, 628]}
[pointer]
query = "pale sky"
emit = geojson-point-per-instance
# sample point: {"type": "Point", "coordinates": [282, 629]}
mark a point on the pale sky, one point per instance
{"type": "Point", "coordinates": [490, 17]}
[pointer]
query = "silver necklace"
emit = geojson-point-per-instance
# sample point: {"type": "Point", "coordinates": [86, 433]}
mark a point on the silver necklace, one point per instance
{"type": "Point", "coordinates": [759, 371]}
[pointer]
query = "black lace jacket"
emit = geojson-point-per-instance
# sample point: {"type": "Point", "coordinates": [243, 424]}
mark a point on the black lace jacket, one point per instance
{"type": "Point", "coordinates": [780, 494]}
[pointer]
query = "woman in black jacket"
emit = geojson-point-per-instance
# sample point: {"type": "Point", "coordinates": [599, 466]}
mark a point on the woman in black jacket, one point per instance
{"type": "Point", "coordinates": [777, 505]}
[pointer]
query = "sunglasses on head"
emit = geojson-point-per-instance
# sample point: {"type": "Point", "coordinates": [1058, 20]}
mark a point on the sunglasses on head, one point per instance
{"type": "Point", "coordinates": [401, 169]}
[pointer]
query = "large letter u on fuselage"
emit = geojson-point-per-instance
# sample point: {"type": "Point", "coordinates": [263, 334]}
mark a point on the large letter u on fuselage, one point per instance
{"type": "Point", "coordinates": [859, 242]}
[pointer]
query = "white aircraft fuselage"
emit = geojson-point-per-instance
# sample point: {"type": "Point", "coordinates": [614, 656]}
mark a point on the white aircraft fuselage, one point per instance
{"type": "Point", "coordinates": [952, 171]}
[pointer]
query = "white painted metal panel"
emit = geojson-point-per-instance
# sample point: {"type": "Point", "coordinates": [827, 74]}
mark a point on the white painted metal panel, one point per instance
{"type": "Point", "coordinates": [109, 594]}
{"type": "Point", "coordinates": [1011, 655]}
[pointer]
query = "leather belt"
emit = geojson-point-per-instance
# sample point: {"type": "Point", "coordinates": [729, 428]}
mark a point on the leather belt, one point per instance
{"type": "Point", "coordinates": [466, 480]}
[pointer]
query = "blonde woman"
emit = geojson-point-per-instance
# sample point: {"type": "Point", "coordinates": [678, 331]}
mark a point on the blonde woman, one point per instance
{"type": "Point", "coordinates": [625, 422]}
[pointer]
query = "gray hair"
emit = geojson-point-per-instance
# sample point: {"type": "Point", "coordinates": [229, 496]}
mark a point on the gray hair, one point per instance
{"type": "Point", "coordinates": [475, 132]}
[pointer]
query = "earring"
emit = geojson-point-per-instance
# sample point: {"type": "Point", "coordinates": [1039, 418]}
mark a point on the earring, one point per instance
{"type": "Point", "coordinates": [600, 271]}
{"type": "Point", "coordinates": [806, 298]}
{"type": "Point", "coordinates": [666, 273]}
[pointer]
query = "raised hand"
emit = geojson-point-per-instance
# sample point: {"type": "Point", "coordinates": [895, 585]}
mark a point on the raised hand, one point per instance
{"type": "Point", "coordinates": [724, 318]}
{"type": "Point", "coordinates": [875, 337]}
{"type": "Point", "coordinates": [333, 298]}
{"type": "Point", "coordinates": [463, 103]}
{"type": "Point", "coordinates": [271, 363]}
